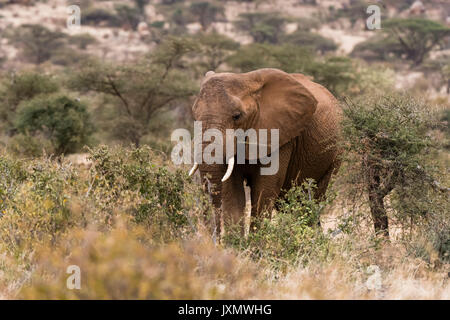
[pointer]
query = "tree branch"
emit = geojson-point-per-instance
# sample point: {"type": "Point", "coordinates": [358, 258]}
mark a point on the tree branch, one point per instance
{"type": "Point", "coordinates": [118, 94]}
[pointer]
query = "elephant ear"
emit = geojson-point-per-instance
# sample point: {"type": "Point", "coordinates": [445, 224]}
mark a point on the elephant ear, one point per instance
{"type": "Point", "coordinates": [284, 103]}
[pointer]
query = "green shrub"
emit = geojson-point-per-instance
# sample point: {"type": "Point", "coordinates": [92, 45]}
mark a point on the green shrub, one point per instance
{"type": "Point", "coordinates": [21, 87]}
{"type": "Point", "coordinates": [389, 141]}
{"type": "Point", "coordinates": [206, 12]}
{"type": "Point", "coordinates": [65, 122]}
{"type": "Point", "coordinates": [40, 199]}
{"type": "Point", "coordinates": [392, 127]}
{"type": "Point", "coordinates": [122, 16]}
{"type": "Point", "coordinates": [69, 58]}
{"type": "Point", "coordinates": [293, 235]}
{"type": "Point", "coordinates": [354, 11]}
{"type": "Point", "coordinates": [140, 5]}
{"type": "Point", "coordinates": [157, 197]}
{"type": "Point", "coordinates": [128, 16]}
{"type": "Point", "coordinates": [82, 41]}
{"type": "Point", "coordinates": [12, 174]}
{"type": "Point", "coordinates": [262, 27]}
{"type": "Point", "coordinates": [307, 23]}
{"type": "Point", "coordinates": [215, 49]}
{"type": "Point", "coordinates": [24, 145]}
{"type": "Point", "coordinates": [25, 86]}
{"type": "Point", "coordinates": [97, 16]}
{"type": "Point", "coordinates": [373, 80]}
{"type": "Point", "coordinates": [310, 39]}
{"type": "Point", "coordinates": [337, 74]}
{"type": "Point", "coordinates": [35, 204]}
{"type": "Point", "coordinates": [38, 43]}
{"type": "Point", "coordinates": [378, 48]}
{"type": "Point", "coordinates": [287, 57]}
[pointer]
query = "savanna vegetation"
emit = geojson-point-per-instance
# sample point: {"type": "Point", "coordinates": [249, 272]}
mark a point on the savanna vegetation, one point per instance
{"type": "Point", "coordinates": [86, 177]}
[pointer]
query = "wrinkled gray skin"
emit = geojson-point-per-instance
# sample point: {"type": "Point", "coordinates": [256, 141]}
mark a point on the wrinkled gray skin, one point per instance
{"type": "Point", "coordinates": [307, 116]}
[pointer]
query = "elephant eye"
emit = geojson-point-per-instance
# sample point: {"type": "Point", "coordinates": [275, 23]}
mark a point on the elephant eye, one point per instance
{"type": "Point", "coordinates": [236, 116]}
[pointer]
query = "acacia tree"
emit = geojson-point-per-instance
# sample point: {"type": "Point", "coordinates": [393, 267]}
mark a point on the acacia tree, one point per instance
{"type": "Point", "coordinates": [206, 12]}
{"type": "Point", "coordinates": [62, 120]}
{"type": "Point", "coordinates": [287, 57]}
{"type": "Point", "coordinates": [354, 11]}
{"type": "Point", "coordinates": [37, 42]}
{"type": "Point", "coordinates": [416, 36]}
{"type": "Point", "coordinates": [215, 49]}
{"type": "Point", "coordinates": [387, 138]}
{"type": "Point", "coordinates": [335, 73]}
{"type": "Point", "coordinates": [140, 4]}
{"type": "Point", "coordinates": [142, 88]}
{"type": "Point", "coordinates": [262, 27]}
{"type": "Point", "coordinates": [17, 88]}
{"type": "Point", "coordinates": [310, 39]}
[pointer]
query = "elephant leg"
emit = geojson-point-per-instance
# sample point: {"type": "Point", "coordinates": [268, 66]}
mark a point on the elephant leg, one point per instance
{"type": "Point", "coordinates": [322, 184]}
{"type": "Point", "coordinates": [266, 188]}
{"type": "Point", "coordinates": [233, 202]}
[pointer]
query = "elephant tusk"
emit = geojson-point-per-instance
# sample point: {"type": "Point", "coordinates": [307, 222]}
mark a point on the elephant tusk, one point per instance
{"type": "Point", "coordinates": [194, 168]}
{"type": "Point", "coordinates": [229, 169]}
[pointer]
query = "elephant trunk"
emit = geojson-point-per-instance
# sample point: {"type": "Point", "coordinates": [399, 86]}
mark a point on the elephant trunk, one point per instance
{"type": "Point", "coordinates": [214, 174]}
{"type": "Point", "coordinates": [211, 175]}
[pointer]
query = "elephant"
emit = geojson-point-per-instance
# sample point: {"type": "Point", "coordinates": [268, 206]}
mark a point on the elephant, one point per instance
{"type": "Point", "coordinates": [307, 116]}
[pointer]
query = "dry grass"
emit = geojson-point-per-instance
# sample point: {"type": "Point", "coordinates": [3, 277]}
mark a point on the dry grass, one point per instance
{"type": "Point", "coordinates": [119, 265]}
{"type": "Point", "coordinates": [122, 259]}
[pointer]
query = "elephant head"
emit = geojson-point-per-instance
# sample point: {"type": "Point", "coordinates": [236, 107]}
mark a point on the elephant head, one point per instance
{"type": "Point", "coordinates": [261, 99]}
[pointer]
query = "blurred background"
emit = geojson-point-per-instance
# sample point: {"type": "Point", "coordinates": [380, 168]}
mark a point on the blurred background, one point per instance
{"type": "Point", "coordinates": [86, 114]}
{"type": "Point", "coordinates": [135, 66]}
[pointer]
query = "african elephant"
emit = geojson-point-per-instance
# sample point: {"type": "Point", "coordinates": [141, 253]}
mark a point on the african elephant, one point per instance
{"type": "Point", "coordinates": [307, 116]}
